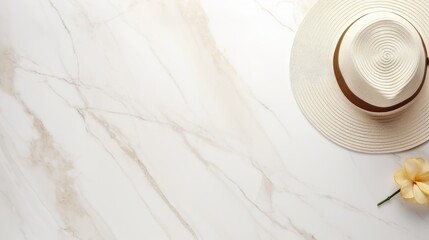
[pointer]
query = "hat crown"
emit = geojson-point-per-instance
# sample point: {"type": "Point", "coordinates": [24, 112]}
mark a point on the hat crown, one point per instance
{"type": "Point", "coordinates": [370, 116]}
{"type": "Point", "coordinates": [382, 59]}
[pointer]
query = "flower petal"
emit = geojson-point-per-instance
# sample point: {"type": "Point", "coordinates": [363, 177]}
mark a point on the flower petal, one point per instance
{"type": "Point", "coordinates": [423, 177]}
{"type": "Point", "coordinates": [419, 195]}
{"type": "Point", "coordinates": [407, 191]}
{"type": "Point", "coordinates": [424, 186]}
{"type": "Point", "coordinates": [413, 166]}
{"type": "Point", "coordinates": [401, 177]}
{"type": "Point", "coordinates": [426, 167]}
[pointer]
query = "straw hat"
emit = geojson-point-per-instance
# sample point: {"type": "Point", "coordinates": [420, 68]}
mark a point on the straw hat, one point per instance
{"type": "Point", "coordinates": [358, 72]}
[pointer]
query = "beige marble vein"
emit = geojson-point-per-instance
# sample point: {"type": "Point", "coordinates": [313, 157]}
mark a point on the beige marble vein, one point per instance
{"type": "Point", "coordinates": [174, 119]}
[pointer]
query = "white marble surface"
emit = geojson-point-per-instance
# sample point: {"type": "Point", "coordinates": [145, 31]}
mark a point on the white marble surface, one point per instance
{"type": "Point", "coordinates": [174, 119]}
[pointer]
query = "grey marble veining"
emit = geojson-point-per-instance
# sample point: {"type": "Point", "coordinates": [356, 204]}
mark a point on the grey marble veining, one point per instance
{"type": "Point", "coordinates": [174, 119]}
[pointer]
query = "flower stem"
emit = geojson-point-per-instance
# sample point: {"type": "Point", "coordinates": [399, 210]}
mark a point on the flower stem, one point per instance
{"type": "Point", "coordinates": [388, 198]}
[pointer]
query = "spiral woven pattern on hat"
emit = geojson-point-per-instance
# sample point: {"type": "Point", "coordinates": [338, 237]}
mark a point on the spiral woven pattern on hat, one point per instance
{"type": "Point", "coordinates": [316, 88]}
{"type": "Point", "coordinates": [386, 56]}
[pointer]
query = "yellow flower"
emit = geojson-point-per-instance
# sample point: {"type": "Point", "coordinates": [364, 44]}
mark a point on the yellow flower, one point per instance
{"type": "Point", "coordinates": [413, 179]}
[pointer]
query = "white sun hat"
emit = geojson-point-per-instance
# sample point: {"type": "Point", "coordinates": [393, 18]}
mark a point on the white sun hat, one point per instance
{"type": "Point", "coordinates": [358, 72]}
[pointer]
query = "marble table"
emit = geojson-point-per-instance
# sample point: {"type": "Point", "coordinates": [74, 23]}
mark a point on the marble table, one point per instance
{"type": "Point", "coordinates": [174, 119]}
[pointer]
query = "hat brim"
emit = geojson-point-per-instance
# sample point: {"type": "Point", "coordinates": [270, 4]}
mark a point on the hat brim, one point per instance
{"type": "Point", "coordinates": [322, 101]}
